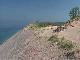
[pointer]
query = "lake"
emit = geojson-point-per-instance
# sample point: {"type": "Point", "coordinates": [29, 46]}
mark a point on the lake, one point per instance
{"type": "Point", "coordinates": [6, 31]}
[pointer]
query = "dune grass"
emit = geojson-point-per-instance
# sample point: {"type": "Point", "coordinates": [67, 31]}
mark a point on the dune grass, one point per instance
{"type": "Point", "coordinates": [45, 24]}
{"type": "Point", "coordinates": [61, 42]}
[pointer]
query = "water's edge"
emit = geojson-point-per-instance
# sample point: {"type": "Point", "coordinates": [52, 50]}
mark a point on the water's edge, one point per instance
{"type": "Point", "coordinates": [11, 34]}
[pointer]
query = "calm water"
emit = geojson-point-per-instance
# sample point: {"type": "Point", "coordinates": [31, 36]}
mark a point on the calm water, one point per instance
{"type": "Point", "coordinates": [7, 31]}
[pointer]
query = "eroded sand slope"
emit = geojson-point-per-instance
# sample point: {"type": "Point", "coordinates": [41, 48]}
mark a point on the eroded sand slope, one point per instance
{"type": "Point", "coordinates": [29, 44]}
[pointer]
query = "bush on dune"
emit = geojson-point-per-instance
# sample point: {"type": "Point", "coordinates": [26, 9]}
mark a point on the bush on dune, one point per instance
{"type": "Point", "coordinates": [61, 42]}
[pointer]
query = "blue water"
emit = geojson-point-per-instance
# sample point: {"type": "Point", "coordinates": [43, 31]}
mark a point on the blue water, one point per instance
{"type": "Point", "coordinates": [6, 31]}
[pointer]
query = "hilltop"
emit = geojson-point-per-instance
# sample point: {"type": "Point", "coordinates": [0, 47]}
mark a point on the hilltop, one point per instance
{"type": "Point", "coordinates": [42, 42]}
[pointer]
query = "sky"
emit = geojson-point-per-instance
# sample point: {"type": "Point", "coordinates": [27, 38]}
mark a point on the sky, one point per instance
{"type": "Point", "coordinates": [23, 11]}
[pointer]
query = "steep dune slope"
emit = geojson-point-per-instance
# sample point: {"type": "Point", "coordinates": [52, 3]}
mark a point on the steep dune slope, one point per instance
{"type": "Point", "coordinates": [72, 34]}
{"type": "Point", "coordinates": [30, 44]}
{"type": "Point", "coordinates": [15, 44]}
{"type": "Point", "coordinates": [73, 31]}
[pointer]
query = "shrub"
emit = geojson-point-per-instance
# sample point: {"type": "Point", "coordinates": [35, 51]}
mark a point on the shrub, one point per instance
{"type": "Point", "coordinates": [61, 42]}
{"type": "Point", "coordinates": [53, 38]}
{"type": "Point", "coordinates": [65, 44]}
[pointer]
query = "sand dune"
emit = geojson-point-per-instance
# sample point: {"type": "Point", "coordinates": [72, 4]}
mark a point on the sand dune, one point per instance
{"type": "Point", "coordinates": [29, 44]}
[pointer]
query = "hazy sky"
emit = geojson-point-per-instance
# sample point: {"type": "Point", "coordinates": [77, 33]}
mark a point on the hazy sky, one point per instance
{"type": "Point", "coordinates": [30, 10]}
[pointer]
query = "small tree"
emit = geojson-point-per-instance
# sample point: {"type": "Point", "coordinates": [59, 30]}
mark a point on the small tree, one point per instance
{"type": "Point", "coordinates": [74, 12]}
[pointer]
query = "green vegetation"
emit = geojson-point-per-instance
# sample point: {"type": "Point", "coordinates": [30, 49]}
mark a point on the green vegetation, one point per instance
{"type": "Point", "coordinates": [74, 12]}
{"type": "Point", "coordinates": [65, 44]}
{"type": "Point", "coordinates": [45, 24]}
{"type": "Point", "coordinates": [38, 25]}
{"type": "Point", "coordinates": [50, 23]}
{"type": "Point", "coordinates": [53, 39]}
{"type": "Point", "coordinates": [61, 42]}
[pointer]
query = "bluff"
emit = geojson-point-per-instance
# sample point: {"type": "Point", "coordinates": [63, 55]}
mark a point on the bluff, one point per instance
{"type": "Point", "coordinates": [33, 43]}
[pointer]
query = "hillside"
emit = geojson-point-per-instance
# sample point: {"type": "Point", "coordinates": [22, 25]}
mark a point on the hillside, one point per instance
{"type": "Point", "coordinates": [33, 43]}
{"type": "Point", "coordinates": [72, 31]}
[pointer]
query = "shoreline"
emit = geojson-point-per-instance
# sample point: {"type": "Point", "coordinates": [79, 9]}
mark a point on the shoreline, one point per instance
{"type": "Point", "coordinates": [9, 37]}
